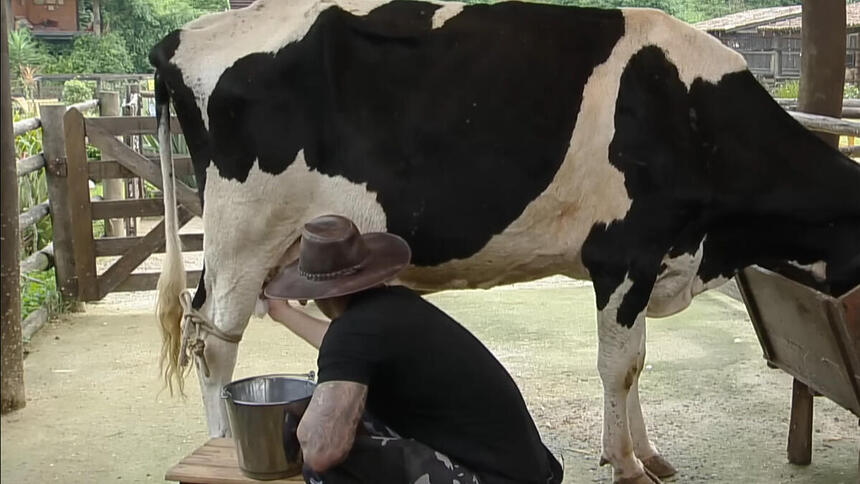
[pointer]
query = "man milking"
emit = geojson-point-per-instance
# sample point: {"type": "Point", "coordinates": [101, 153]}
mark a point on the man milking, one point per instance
{"type": "Point", "coordinates": [405, 393]}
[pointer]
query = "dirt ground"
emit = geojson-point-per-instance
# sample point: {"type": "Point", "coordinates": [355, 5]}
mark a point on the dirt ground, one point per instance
{"type": "Point", "coordinates": [95, 412]}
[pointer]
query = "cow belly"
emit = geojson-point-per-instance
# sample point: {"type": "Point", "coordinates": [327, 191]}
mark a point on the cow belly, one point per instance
{"type": "Point", "coordinates": [676, 285]}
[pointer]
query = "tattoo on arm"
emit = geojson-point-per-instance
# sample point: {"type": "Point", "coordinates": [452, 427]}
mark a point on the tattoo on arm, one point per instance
{"type": "Point", "coordinates": [327, 429]}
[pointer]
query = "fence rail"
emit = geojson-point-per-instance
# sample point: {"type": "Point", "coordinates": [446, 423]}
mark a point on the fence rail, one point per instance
{"type": "Point", "coordinates": [44, 258]}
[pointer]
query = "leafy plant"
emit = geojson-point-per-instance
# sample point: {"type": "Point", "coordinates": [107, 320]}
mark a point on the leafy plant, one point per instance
{"type": "Point", "coordinates": [92, 54]}
{"type": "Point", "coordinates": [39, 289]}
{"type": "Point", "coordinates": [24, 51]}
{"type": "Point", "coordinates": [76, 91]}
{"type": "Point", "coordinates": [787, 89]}
{"type": "Point", "coordinates": [851, 91]}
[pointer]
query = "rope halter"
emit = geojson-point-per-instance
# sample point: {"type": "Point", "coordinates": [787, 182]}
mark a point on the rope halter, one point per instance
{"type": "Point", "coordinates": [196, 327]}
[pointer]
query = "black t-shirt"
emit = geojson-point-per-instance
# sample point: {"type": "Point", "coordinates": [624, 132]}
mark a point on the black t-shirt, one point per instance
{"type": "Point", "coordinates": [431, 380]}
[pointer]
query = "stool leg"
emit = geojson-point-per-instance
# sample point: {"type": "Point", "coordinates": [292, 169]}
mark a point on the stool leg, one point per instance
{"type": "Point", "coordinates": [800, 426]}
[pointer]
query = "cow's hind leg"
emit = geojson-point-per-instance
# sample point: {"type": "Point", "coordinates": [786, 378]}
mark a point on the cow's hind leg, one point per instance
{"type": "Point", "coordinates": [643, 448]}
{"type": "Point", "coordinates": [620, 355]}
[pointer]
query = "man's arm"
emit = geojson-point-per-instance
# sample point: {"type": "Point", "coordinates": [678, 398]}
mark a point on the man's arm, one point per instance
{"type": "Point", "coordinates": [308, 328]}
{"type": "Point", "coordinates": [327, 429]}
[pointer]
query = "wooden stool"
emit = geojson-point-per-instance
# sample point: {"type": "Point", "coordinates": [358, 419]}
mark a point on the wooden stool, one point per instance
{"type": "Point", "coordinates": [215, 463]}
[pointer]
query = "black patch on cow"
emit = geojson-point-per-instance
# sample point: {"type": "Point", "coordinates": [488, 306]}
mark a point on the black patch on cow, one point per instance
{"type": "Point", "coordinates": [457, 129]}
{"type": "Point", "coordinates": [655, 146]}
{"type": "Point", "coordinates": [200, 293]}
{"type": "Point", "coordinates": [724, 163]}
{"type": "Point", "coordinates": [169, 76]}
{"type": "Point", "coordinates": [779, 192]}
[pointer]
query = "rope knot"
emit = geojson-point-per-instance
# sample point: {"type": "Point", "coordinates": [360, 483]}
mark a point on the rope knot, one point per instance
{"type": "Point", "coordinates": [195, 327]}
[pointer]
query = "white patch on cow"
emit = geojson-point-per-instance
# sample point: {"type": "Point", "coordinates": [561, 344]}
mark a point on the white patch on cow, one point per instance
{"type": "Point", "coordinates": [674, 288]}
{"type": "Point", "coordinates": [444, 460]}
{"type": "Point", "coordinates": [696, 54]}
{"type": "Point", "coordinates": [248, 228]}
{"type": "Point", "coordinates": [818, 270]}
{"type": "Point", "coordinates": [445, 12]}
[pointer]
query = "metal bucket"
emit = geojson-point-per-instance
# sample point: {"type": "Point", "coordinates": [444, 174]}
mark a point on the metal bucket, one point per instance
{"type": "Point", "coordinates": [264, 412]}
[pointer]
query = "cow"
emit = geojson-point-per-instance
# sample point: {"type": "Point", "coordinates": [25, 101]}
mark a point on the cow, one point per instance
{"type": "Point", "coordinates": [505, 143]}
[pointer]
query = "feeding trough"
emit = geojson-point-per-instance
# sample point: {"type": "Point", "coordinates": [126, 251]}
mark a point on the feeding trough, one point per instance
{"type": "Point", "coordinates": [814, 337]}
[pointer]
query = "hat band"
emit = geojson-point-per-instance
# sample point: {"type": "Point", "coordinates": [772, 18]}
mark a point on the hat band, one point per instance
{"type": "Point", "coordinates": [327, 276]}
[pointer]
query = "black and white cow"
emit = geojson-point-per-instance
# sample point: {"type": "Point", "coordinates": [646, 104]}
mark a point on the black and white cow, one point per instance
{"type": "Point", "coordinates": [505, 143]}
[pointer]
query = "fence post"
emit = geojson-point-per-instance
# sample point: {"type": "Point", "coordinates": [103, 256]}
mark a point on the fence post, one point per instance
{"type": "Point", "coordinates": [56, 170]}
{"type": "Point", "coordinates": [132, 185]}
{"type": "Point", "coordinates": [74, 131]}
{"type": "Point", "coordinates": [11, 345]}
{"type": "Point", "coordinates": [109, 105]}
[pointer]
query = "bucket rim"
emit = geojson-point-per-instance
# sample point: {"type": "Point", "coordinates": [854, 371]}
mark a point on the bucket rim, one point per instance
{"type": "Point", "coordinates": [301, 377]}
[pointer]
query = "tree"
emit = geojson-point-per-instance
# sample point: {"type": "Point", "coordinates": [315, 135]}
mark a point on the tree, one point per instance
{"type": "Point", "coordinates": [91, 54]}
{"type": "Point", "coordinates": [142, 23]}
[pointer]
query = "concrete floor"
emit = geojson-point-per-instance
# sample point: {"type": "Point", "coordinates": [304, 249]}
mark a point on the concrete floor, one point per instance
{"type": "Point", "coordinates": [95, 413]}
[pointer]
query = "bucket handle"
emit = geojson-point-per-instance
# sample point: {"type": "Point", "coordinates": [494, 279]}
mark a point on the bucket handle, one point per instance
{"type": "Point", "coordinates": [311, 376]}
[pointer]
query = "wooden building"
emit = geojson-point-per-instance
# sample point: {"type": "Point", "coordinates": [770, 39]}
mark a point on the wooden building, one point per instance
{"type": "Point", "coordinates": [47, 19]}
{"type": "Point", "coordinates": [769, 39]}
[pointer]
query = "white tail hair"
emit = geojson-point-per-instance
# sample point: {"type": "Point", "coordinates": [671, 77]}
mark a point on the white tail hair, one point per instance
{"type": "Point", "coordinates": [171, 282]}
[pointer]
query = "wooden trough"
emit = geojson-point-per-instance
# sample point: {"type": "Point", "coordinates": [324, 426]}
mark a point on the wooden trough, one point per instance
{"type": "Point", "coordinates": [812, 336]}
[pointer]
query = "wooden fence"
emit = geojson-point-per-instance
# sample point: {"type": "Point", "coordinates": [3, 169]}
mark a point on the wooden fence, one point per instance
{"type": "Point", "coordinates": [121, 169]}
{"type": "Point", "coordinates": [52, 160]}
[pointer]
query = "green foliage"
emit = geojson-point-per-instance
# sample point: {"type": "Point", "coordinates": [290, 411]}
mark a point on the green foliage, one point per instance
{"type": "Point", "coordinates": [32, 190]}
{"type": "Point", "coordinates": [786, 89]}
{"type": "Point", "coordinates": [851, 91]}
{"type": "Point", "coordinates": [93, 54]}
{"type": "Point", "coordinates": [209, 5]}
{"type": "Point", "coordinates": [142, 23]}
{"type": "Point", "coordinates": [24, 51]}
{"type": "Point", "coordinates": [76, 91]}
{"type": "Point", "coordinates": [39, 289]}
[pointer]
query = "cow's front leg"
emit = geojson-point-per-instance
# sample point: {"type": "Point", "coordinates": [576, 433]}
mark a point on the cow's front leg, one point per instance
{"type": "Point", "coordinates": [621, 351]}
{"type": "Point", "coordinates": [220, 361]}
{"type": "Point", "coordinates": [231, 295]}
{"type": "Point", "coordinates": [643, 448]}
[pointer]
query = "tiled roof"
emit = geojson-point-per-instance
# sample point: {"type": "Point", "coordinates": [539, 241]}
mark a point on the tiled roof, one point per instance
{"type": "Point", "coordinates": [852, 12]}
{"type": "Point", "coordinates": [749, 18]}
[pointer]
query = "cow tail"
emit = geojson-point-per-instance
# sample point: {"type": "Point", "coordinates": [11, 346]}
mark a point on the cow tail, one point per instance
{"type": "Point", "coordinates": [171, 282]}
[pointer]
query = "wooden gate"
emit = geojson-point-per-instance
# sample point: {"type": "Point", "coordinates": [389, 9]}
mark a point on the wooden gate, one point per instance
{"type": "Point", "coordinates": [119, 161]}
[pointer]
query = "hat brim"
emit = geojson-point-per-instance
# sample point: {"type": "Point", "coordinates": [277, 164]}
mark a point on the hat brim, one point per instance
{"type": "Point", "coordinates": [388, 255]}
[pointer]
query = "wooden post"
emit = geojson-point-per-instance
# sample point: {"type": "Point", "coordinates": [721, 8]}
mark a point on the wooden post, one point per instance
{"type": "Point", "coordinates": [11, 344]}
{"type": "Point", "coordinates": [53, 144]}
{"type": "Point", "coordinates": [109, 105]}
{"type": "Point", "coordinates": [130, 108]}
{"type": "Point", "coordinates": [822, 77]}
{"type": "Point", "coordinates": [74, 130]}
{"type": "Point", "coordinates": [822, 67]}
{"type": "Point", "coordinates": [800, 425]}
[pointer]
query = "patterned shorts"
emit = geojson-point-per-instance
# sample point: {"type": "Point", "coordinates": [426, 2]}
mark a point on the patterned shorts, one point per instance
{"type": "Point", "coordinates": [380, 456]}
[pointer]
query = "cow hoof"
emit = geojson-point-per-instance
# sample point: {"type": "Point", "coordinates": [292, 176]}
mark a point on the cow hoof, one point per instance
{"type": "Point", "coordinates": [659, 466]}
{"type": "Point", "coordinates": [645, 478]}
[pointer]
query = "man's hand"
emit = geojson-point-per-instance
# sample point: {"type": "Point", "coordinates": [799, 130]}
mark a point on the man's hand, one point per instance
{"type": "Point", "coordinates": [281, 310]}
{"type": "Point", "coordinates": [309, 328]}
{"type": "Point", "coordinates": [327, 429]}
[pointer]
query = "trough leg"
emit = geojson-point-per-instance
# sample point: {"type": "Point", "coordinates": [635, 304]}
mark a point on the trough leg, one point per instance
{"type": "Point", "coordinates": [800, 426]}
